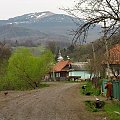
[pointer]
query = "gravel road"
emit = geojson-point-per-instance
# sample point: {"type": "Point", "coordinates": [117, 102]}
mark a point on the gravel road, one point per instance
{"type": "Point", "coordinates": [60, 101]}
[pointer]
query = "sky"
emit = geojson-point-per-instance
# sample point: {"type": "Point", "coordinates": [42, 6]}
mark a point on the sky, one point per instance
{"type": "Point", "coordinates": [12, 8]}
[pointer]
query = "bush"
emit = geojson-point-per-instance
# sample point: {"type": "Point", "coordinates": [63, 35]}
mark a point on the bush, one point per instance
{"type": "Point", "coordinates": [91, 90]}
{"type": "Point", "coordinates": [26, 70]}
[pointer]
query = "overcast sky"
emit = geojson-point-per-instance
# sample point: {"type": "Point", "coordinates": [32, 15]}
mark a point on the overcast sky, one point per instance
{"type": "Point", "coordinates": [12, 8]}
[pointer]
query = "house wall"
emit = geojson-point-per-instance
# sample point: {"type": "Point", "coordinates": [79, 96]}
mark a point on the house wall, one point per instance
{"type": "Point", "coordinates": [83, 74]}
{"type": "Point", "coordinates": [115, 68]}
{"type": "Point", "coordinates": [60, 75]}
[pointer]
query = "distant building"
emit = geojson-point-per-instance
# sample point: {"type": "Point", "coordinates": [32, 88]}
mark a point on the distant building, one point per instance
{"type": "Point", "coordinates": [65, 69]}
{"type": "Point", "coordinates": [61, 70]}
{"type": "Point", "coordinates": [59, 57]}
{"type": "Point", "coordinates": [79, 70]}
{"type": "Point", "coordinates": [114, 61]}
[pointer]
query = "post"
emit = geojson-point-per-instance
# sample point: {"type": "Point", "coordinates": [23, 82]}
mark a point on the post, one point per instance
{"type": "Point", "coordinates": [107, 51]}
{"type": "Point", "coordinates": [54, 76]}
{"type": "Point", "coordinates": [94, 58]}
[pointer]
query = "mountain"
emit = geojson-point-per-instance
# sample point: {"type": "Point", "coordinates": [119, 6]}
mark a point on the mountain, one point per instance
{"type": "Point", "coordinates": [45, 22]}
{"type": "Point", "coordinates": [12, 31]}
{"type": "Point", "coordinates": [44, 25]}
{"type": "Point", "coordinates": [31, 17]}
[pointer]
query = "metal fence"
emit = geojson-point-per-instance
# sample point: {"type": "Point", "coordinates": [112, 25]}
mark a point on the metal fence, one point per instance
{"type": "Point", "coordinates": [116, 88]}
{"type": "Point", "coordinates": [104, 82]}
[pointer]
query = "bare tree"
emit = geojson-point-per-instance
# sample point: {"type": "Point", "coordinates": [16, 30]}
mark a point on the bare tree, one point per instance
{"type": "Point", "coordinates": [95, 12]}
{"type": "Point", "coordinates": [5, 52]}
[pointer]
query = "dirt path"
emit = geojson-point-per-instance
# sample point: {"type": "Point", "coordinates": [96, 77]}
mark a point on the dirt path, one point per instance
{"type": "Point", "coordinates": [61, 101]}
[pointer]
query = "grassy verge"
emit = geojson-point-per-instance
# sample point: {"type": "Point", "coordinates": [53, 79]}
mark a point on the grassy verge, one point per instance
{"type": "Point", "coordinates": [113, 110]}
{"type": "Point", "coordinates": [91, 106]}
{"type": "Point", "coordinates": [42, 85]}
{"type": "Point", "coordinates": [110, 109]}
{"type": "Point", "coordinates": [71, 81]}
{"type": "Point", "coordinates": [22, 86]}
{"type": "Point", "coordinates": [90, 89]}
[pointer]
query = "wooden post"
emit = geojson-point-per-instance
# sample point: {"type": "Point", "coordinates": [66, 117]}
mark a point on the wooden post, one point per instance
{"type": "Point", "coordinates": [107, 51]}
{"type": "Point", "coordinates": [94, 59]}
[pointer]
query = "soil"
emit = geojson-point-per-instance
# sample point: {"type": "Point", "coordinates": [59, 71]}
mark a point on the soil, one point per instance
{"type": "Point", "coordinates": [60, 101]}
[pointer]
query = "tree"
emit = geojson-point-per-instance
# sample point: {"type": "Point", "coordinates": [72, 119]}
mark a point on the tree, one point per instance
{"type": "Point", "coordinates": [96, 12]}
{"type": "Point", "coordinates": [5, 53]}
{"type": "Point", "coordinates": [51, 45]}
{"type": "Point", "coordinates": [26, 69]}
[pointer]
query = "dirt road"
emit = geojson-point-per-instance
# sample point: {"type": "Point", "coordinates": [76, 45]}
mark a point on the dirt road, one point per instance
{"type": "Point", "coordinates": [60, 101]}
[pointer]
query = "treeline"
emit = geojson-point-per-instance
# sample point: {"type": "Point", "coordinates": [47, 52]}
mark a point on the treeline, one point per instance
{"type": "Point", "coordinates": [83, 52]}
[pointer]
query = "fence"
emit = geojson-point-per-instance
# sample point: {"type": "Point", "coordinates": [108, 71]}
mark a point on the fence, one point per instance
{"type": "Point", "coordinates": [104, 82]}
{"type": "Point", "coordinates": [116, 88]}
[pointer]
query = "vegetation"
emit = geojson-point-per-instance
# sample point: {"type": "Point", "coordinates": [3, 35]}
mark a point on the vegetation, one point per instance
{"type": "Point", "coordinates": [25, 70]}
{"type": "Point", "coordinates": [82, 53]}
{"type": "Point", "coordinates": [90, 89]}
{"type": "Point", "coordinates": [5, 53]}
{"type": "Point", "coordinates": [91, 106]}
{"type": "Point", "coordinates": [113, 110]}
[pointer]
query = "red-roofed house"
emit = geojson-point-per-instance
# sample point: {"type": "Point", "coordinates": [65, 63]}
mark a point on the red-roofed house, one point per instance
{"type": "Point", "coordinates": [61, 70]}
{"type": "Point", "coordinates": [114, 60]}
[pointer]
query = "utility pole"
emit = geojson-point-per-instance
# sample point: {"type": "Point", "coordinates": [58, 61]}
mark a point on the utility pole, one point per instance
{"type": "Point", "coordinates": [94, 58]}
{"type": "Point", "coordinates": [106, 47]}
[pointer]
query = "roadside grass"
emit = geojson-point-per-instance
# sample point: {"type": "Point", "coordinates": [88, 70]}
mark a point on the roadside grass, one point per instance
{"type": "Point", "coordinates": [90, 89]}
{"type": "Point", "coordinates": [42, 85]}
{"type": "Point", "coordinates": [113, 110]}
{"type": "Point", "coordinates": [71, 81]}
{"type": "Point", "coordinates": [92, 106]}
{"type": "Point", "coordinates": [22, 86]}
{"type": "Point", "coordinates": [110, 109]}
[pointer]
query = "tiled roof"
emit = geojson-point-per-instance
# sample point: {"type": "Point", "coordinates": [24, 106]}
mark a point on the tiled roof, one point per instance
{"type": "Point", "coordinates": [61, 65]}
{"type": "Point", "coordinates": [114, 55]}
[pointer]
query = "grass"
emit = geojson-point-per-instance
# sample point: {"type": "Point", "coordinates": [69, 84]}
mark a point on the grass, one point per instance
{"type": "Point", "coordinates": [71, 81]}
{"type": "Point", "coordinates": [91, 106]}
{"type": "Point", "coordinates": [113, 110]}
{"type": "Point", "coordinates": [90, 89]}
{"type": "Point", "coordinates": [109, 109]}
{"type": "Point", "coordinates": [43, 85]}
{"type": "Point", "coordinates": [18, 85]}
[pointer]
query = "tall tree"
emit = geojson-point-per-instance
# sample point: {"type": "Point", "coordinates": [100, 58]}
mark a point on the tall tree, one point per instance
{"type": "Point", "coordinates": [96, 12]}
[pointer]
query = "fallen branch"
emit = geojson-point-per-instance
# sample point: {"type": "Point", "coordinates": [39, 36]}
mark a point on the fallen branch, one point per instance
{"type": "Point", "coordinates": [117, 112]}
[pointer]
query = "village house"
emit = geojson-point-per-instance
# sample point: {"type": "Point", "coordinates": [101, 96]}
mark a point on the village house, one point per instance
{"type": "Point", "coordinates": [67, 70]}
{"type": "Point", "coordinates": [61, 70]}
{"type": "Point", "coordinates": [114, 61]}
{"type": "Point", "coordinates": [79, 70]}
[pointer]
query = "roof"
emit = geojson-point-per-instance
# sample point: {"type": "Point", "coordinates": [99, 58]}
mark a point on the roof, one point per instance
{"type": "Point", "coordinates": [79, 65]}
{"type": "Point", "coordinates": [114, 55]}
{"type": "Point", "coordinates": [61, 65]}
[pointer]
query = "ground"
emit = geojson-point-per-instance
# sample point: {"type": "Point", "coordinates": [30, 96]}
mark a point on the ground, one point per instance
{"type": "Point", "coordinates": [60, 101]}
